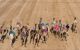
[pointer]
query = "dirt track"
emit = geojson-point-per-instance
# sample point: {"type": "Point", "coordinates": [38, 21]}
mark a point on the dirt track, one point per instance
{"type": "Point", "coordinates": [31, 10]}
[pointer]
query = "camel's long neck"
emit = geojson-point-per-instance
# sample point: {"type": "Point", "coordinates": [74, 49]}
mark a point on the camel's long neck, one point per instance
{"type": "Point", "coordinates": [35, 27]}
{"type": "Point", "coordinates": [10, 27]}
{"type": "Point", "coordinates": [40, 21]}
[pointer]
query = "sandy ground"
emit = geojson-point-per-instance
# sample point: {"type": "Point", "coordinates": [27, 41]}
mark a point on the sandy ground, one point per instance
{"type": "Point", "coordinates": [29, 11]}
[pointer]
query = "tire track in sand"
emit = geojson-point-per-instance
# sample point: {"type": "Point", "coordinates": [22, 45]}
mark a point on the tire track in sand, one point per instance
{"type": "Point", "coordinates": [25, 13]}
{"type": "Point", "coordinates": [17, 18]}
{"type": "Point", "coordinates": [7, 7]}
{"type": "Point", "coordinates": [3, 3]}
{"type": "Point", "coordinates": [12, 11]}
